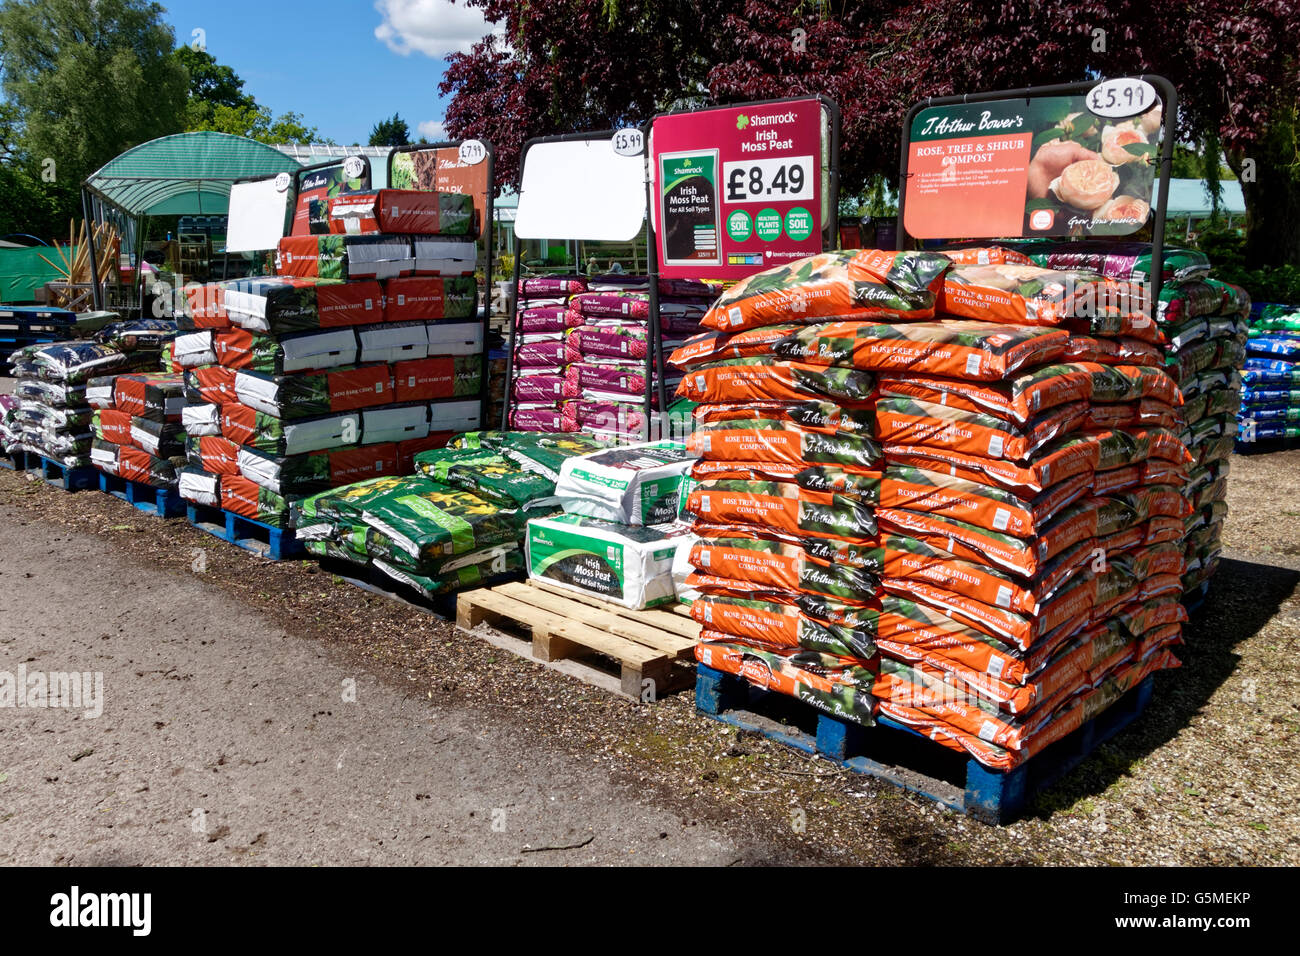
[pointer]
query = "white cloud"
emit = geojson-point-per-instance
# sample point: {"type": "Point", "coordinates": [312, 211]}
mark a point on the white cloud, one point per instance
{"type": "Point", "coordinates": [432, 27]}
{"type": "Point", "coordinates": [435, 131]}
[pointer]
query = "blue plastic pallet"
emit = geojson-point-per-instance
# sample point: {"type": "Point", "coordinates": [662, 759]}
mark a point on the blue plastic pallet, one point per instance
{"type": "Point", "coordinates": [899, 755]}
{"type": "Point", "coordinates": [15, 342]}
{"type": "Point", "coordinates": [80, 478]}
{"type": "Point", "coordinates": [163, 502]}
{"type": "Point", "coordinates": [274, 543]}
{"type": "Point", "coordinates": [14, 460]}
{"type": "Point", "coordinates": [1194, 599]}
{"type": "Point", "coordinates": [37, 315]}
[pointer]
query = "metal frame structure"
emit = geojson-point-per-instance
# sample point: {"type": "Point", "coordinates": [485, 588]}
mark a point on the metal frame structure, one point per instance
{"type": "Point", "coordinates": [131, 212]}
{"type": "Point", "coordinates": [1169, 104]}
{"type": "Point", "coordinates": [654, 358]}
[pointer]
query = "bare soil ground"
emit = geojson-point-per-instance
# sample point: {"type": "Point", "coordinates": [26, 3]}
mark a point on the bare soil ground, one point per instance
{"type": "Point", "coordinates": [458, 729]}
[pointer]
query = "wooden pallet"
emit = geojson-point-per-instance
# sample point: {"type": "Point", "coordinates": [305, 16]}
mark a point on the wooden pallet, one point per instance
{"type": "Point", "coordinates": [903, 757]}
{"type": "Point", "coordinates": [644, 645]}
{"type": "Point", "coordinates": [277, 544]}
{"type": "Point", "coordinates": [161, 502]}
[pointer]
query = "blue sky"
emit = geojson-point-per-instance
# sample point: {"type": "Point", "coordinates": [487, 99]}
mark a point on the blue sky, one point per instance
{"type": "Point", "coordinates": [323, 59]}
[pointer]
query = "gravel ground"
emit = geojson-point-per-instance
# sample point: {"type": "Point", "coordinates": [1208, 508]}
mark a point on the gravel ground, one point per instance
{"type": "Point", "coordinates": [1209, 775]}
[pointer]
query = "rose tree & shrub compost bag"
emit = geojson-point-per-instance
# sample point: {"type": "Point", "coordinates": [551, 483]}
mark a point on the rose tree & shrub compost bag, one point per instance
{"type": "Point", "coordinates": [850, 284]}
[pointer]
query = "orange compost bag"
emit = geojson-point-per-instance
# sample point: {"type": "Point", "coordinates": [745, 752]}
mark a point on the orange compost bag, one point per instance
{"type": "Point", "coordinates": [849, 284]}
{"type": "Point", "coordinates": [1018, 399]}
{"type": "Point", "coordinates": [911, 422]}
{"type": "Point", "coordinates": [975, 351]}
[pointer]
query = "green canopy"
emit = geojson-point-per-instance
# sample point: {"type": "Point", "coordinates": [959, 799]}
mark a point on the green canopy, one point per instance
{"type": "Point", "coordinates": [187, 174]}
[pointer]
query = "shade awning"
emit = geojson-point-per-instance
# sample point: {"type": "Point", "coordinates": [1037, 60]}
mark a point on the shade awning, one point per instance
{"type": "Point", "coordinates": [184, 174]}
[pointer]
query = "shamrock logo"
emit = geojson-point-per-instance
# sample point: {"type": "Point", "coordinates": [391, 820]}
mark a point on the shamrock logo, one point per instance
{"type": "Point", "coordinates": [742, 121]}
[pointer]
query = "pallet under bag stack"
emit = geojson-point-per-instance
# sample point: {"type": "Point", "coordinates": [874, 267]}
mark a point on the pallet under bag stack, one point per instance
{"type": "Point", "coordinates": [54, 417]}
{"type": "Point", "coordinates": [968, 523]}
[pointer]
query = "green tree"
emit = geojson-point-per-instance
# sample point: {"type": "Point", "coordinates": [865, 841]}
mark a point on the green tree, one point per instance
{"type": "Point", "coordinates": [211, 81]}
{"type": "Point", "coordinates": [86, 80]}
{"type": "Point", "coordinates": [390, 132]}
{"type": "Point", "coordinates": [255, 122]}
{"type": "Point", "coordinates": [217, 103]}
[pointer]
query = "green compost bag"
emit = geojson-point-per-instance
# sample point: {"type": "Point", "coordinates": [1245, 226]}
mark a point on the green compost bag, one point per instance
{"type": "Point", "coordinates": [331, 549]}
{"type": "Point", "coordinates": [415, 522]}
{"type": "Point", "coordinates": [541, 452]}
{"type": "Point", "coordinates": [345, 504]}
{"type": "Point", "coordinates": [491, 476]}
{"type": "Point", "coordinates": [348, 544]}
{"type": "Point", "coordinates": [460, 577]}
{"type": "Point", "coordinates": [1277, 318]}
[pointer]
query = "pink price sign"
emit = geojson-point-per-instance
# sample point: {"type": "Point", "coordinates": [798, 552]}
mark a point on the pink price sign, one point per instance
{"type": "Point", "coordinates": [737, 189]}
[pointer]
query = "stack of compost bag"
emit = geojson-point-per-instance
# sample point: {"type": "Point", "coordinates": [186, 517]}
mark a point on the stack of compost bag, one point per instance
{"type": "Point", "coordinates": [1207, 333]}
{"type": "Point", "coordinates": [322, 377]}
{"type": "Point", "coordinates": [619, 534]}
{"type": "Point", "coordinates": [585, 369]}
{"type": "Point", "coordinates": [1270, 399]}
{"type": "Point", "coordinates": [54, 417]}
{"type": "Point", "coordinates": [457, 523]}
{"type": "Point", "coordinates": [1203, 323]}
{"type": "Point", "coordinates": [540, 395]}
{"type": "Point", "coordinates": [949, 494]}
{"type": "Point", "coordinates": [137, 426]}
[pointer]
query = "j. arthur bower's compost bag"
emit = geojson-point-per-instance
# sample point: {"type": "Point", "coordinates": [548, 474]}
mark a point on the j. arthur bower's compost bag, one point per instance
{"type": "Point", "coordinates": [851, 284]}
{"type": "Point", "coordinates": [629, 566]}
{"type": "Point", "coordinates": [634, 484]}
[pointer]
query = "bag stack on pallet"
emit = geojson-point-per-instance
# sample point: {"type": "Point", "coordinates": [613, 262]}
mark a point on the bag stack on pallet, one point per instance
{"type": "Point", "coordinates": [1203, 325]}
{"type": "Point", "coordinates": [585, 369]}
{"type": "Point", "coordinates": [364, 352]}
{"type": "Point", "coordinates": [54, 417]}
{"type": "Point", "coordinates": [969, 522]}
{"type": "Point", "coordinates": [619, 533]}
{"type": "Point", "coordinates": [457, 523]}
{"type": "Point", "coordinates": [1207, 349]}
{"type": "Point", "coordinates": [137, 426]}
{"type": "Point", "coordinates": [1270, 399]}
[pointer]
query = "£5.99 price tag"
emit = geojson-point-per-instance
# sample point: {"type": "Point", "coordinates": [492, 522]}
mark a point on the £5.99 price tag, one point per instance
{"type": "Point", "coordinates": [629, 142]}
{"type": "Point", "coordinates": [1121, 98]}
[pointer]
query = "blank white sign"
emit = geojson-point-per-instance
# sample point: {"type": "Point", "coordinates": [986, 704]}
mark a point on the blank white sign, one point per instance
{"type": "Point", "coordinates": [581, 189]}
{"type": "Point", "coordinates": [257, 216]}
